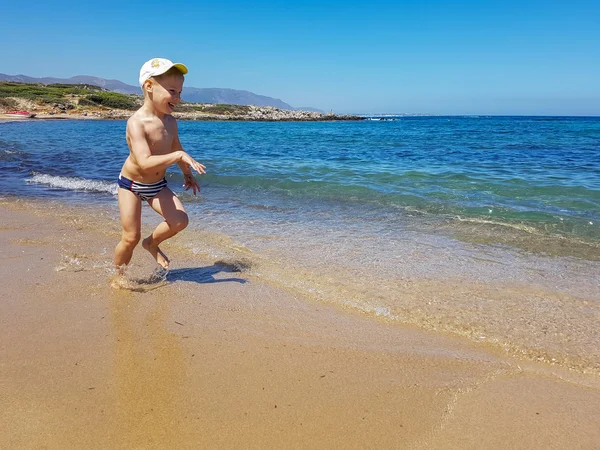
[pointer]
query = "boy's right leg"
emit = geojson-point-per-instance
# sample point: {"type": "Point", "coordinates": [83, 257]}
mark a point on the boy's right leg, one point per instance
{"type": "Point", "coordinates": [130, 207]}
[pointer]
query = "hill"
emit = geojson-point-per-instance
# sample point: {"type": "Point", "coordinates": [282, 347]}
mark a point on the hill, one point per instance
{"type": "Point", "coordinates": [190, 94]}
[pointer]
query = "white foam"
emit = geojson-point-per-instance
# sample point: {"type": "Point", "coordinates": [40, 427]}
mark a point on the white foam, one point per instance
{"type": "Point", "coordinates": [74, 184]}
{"type": "Point", "coordinates": [516, 226]}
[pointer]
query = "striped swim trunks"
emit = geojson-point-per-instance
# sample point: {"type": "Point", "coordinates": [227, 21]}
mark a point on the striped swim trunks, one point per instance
{"type": "Point", "coordinates": [145, 191]}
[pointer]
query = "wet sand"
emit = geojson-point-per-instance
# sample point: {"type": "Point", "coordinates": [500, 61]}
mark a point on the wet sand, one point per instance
{"type": "Point", "coordinates": [215, 358]}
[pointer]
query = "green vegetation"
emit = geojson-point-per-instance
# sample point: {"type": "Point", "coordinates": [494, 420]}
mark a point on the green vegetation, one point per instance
{"type": "Point", "coordinates": [111, 100]}
{"type": "Point", "coordinates": [62, 99]}
{"type": "Point", "coordinates": [94, 96]}
{"type": "Point", "coordinates": [221, 109]}
{"type": "Point", "coordinates": [52, 93]}
{"type": "Point", "coordinates": [65, 94]}
{"type": "Point", "coordinates": [85, 102]}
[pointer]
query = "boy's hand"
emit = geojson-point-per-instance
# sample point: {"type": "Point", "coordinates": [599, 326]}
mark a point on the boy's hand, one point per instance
{"type": "Point", "coordinates": [192, 163]}
{"type": "Point", "coordinates": [190, 183]}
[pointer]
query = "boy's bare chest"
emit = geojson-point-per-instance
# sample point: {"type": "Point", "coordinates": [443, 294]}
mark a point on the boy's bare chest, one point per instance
{"type": "Point", "coordinates": [160, 139]}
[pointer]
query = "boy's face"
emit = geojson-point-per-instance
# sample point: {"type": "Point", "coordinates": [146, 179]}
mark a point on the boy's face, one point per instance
{"type": "Point", "coordinates": [166, 92]}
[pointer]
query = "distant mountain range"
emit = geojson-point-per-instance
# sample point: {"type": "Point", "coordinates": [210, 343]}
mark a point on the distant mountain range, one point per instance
{"type": "Point", "coordinates": [190, 94]}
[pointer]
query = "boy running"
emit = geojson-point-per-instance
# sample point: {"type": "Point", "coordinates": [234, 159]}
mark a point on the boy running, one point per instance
{"type": "Point", "coordinates": [153, 146]}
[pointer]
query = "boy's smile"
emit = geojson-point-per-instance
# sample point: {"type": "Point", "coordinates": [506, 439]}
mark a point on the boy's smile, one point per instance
{"type": "Point", "coordinates": [166, 93]}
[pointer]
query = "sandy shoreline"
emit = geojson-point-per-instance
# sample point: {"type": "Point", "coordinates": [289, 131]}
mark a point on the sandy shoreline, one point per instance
{"type": "Point", "coordinates": [218, 359]}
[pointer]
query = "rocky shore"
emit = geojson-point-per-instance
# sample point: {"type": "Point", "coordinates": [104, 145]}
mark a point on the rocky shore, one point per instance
{"type": "Point", "coordinates": [267, 114]}
{"type": "Point", "coordinates": [254, 113]}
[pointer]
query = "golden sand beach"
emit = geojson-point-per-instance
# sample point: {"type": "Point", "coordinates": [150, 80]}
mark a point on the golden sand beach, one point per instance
{"type": "Point", "coordinates": [215, 358]}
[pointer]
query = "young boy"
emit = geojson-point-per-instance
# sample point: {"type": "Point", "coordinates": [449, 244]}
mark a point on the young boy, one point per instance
{"type": "Point", "coordinates": [153, 146]}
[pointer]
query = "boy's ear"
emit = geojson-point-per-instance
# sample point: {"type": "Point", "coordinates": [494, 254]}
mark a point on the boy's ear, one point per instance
{"type": "Point", "coordinates": [148, 85]}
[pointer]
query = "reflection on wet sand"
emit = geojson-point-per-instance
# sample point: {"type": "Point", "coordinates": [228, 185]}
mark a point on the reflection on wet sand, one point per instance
{"type": "Point", "coordinates": [148, 372]}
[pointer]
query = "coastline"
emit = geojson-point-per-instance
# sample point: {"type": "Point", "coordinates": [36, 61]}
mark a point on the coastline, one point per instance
{"type": "Point", "coordinates": [70, 108]}
{"type": "Point", "coordinates": [261, 116]}
{"type": "Point", "coordinates": [79, 101]}
{"type": "Point", "coordinates": [216, 358]}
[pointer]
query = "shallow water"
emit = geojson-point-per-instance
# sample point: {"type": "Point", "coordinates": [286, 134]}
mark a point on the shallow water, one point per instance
{"type": "Point", "coordinates": [485, 227]}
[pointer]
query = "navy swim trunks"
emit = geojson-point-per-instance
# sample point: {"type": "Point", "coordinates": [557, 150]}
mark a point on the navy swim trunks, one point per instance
{"type": "Point", "coordinates": [145, 191]}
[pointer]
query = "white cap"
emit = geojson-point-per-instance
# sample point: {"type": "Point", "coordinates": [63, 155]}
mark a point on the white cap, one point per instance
{"type": "Point", "coordinates": [158, 66]}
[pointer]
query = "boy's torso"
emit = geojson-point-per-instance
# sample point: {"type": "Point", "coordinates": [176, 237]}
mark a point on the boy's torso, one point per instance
{"type": "Point", "coordinates": [160, 135]}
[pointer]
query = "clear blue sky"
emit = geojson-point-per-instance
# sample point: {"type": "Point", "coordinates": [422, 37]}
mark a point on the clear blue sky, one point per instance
{"type": "Point", "coordinates": [441, 57]}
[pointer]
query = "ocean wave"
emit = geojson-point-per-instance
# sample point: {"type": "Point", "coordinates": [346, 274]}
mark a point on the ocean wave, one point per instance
{"type": "Point", "coordinates": [74, 183]}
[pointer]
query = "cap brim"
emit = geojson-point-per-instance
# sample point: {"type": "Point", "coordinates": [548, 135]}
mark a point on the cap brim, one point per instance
{"type": "Point", "coordinates": [181, 67]}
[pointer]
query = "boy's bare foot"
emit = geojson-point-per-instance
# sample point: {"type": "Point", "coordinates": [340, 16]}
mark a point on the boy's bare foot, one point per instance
{"type": "Point", "coordinates": [120, 270]}
{"type": "Point", "coordinates": [156, 252]}
{"type": "Point", "coordinates": [118, 279]}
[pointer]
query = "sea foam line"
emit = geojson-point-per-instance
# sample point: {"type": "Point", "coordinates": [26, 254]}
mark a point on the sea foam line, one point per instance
{"type": "Point", "coordinates": [74, 184]}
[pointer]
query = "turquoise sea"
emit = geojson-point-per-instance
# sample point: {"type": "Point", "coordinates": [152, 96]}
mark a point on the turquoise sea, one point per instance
{"type": "Point", "coordinates": [488, 227]}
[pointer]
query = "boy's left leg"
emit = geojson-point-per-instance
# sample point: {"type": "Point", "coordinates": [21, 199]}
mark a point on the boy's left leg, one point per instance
{"type": "Point", "coordinates": [170, 207]}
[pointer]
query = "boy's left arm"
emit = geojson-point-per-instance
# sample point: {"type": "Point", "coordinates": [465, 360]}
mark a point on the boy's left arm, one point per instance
{"type": "Point", "coordinates": [190, 181]}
